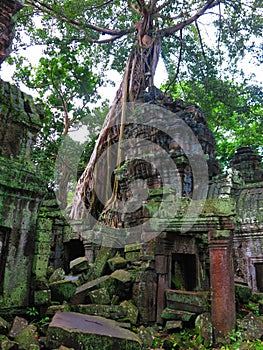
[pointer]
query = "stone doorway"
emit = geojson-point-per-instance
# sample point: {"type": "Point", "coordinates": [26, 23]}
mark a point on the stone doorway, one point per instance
{"type": "Point", "coordinates": [255, 270]}
{"type": "Point", "coordinates": [72, 250]}
{"type": "Point", "coordinates": [184, 271]}
{"type": "Point", "coordinates": [259, 276]}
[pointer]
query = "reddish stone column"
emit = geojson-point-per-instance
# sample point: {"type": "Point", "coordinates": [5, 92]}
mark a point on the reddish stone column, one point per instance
{"type": "Point", "coordinates": [223, 311]}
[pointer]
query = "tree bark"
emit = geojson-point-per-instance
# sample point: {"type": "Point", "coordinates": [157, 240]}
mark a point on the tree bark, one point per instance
{"type": "Point", "coordinates": [138, 77]}
{"type": "Point", "coordinates": [8, 8]}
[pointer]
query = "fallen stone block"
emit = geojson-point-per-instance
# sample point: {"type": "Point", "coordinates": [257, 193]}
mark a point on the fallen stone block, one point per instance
{"type": "Point", "coordinates": [187, 301]}
{"type": "Point", "coordinates": [8, 344]}
{"type": "Point", "coordinates": [4, 326]}
{"type": "Point", "coordinates": [82, 291]}
{"type": "Point", "coordinates": [62, 290]}
{"type": "Point", "coordinates": [18, 324]}
{"type": "Point", "coordinates": [252, 327]}
{"type": "Point", "coordinates": [26, 337]}
{"type": "Point", "coordinates": [177, 315]}
{"type": "Point", "coordinates": [79, 265]}
{"type": "Point", "coordinates": [57, 275]}
{"type": "Point", "coordinates": [52, 309]}
{"type": "Point", "coordinates": [121, 275]}
{"type": "Point", "coordinates": [117, 263]}
{"type": "Point", "coordinates": [78, 279]}
{"type": "Point", "coordinates": [147, 336]}
{"type": "Point", "coordinates": [132, 311]}
{"type": "Point", "coordinates": [42, 297]}
{"type": "Point", "coordinates": [172, 325]}
{"type": "Point", "coordinates": [101, 262]}
{"type": "Point", "coordinates": [203, 326]}
{"type": "Point", "coordinates": [114, 312]}
{"type": "Point", "coordinates": [89, 332]}
{"type": "Point", "coordinates": [122, 284]}
{"type": "Point", "coordinates": [100, 296]}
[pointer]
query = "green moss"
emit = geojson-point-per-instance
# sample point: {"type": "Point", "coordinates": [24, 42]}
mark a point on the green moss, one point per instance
{"type": "Point", "coordinates": [132, 311]}
{"type": "Point", "coordinates": [101, 262]}
{"type": "Point", "coordinates": [152, 207]}
{"type": "Point", "coordinates": [16, 176]}
{"type": "Point", "coordinates": [100, 296]}
{"type": "Point", "coordinates": [155, 192]}
{"type": "Point", "coordinates": [26, 337]}
{"type": "Point", "coordinates": [113, 312]}
{"type": "Point", "coordinates": [42, 297]}
{"type": "Point", "coordinates": [85, 340]}
{"type": "Point", "coordinates": [62, 290]}
{"type": "Point", "coordinates": [220, 207]}
{"type": "Point", "coordinates": [117, 262]}
{"type": "Point", "coordinates": [40, 264]}
{"type": "Point", "coordinates": [14, 100]}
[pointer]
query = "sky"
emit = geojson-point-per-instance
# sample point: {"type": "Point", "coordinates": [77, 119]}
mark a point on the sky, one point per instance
{"type": "Point", "coordinates": [34, 54]}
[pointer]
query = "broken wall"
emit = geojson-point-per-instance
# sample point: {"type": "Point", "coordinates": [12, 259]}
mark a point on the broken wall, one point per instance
{"type": "Point", "coordinates": [21, 192]}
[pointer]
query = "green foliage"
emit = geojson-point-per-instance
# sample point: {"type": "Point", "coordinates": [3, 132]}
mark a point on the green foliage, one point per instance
{"type": "Point", "coordinates": [237, 341]}
{"type": "Point", "coordinates": [243, 294]}
{"type": "Point", "coordinates": [254, 308]}
{"type": "Point", "coordinates": [40, 322]}
{"type": "Point", "coordinates": [234, 112]}
{"type": "Point", "coordinates": [176, 283]}
{"type": "Point", "coordinates": [32, 311]}
{"type": "Point", "coordinates": [188, 339]}
{"type": "Point", "coordinates": [80, 39]}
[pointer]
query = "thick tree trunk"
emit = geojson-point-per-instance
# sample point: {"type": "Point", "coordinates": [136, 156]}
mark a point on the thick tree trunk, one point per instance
{"type": "Point", "coordinates": [92, 191]}
{"type": "Point", "coordinates": [8, 8]}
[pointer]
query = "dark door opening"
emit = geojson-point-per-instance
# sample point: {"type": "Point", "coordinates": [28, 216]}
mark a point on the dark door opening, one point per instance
{"type": "Point", "coordinates": [259, 276]}
{"type": "Point", "coordinates": [72, 250]}
{"type": "Point", "coordinates": [184, 274]}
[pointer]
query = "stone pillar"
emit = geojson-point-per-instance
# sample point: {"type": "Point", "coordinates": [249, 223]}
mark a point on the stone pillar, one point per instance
{"type": "Point", "coordinates": [144, 295]}
{"type": "Point", "coordinates": [223, 311]}
{"type": "Point", "coordinates": [89, 254]}
{"type": "Point", "coordinates": [161, 268]}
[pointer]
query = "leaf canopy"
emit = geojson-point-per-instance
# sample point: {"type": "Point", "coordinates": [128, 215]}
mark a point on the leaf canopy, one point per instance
{"type": "Point", "coordinates": [203, 43]}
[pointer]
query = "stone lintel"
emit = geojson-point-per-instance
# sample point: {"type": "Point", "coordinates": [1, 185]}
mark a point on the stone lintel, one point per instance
{"type": "Point", "coordinates": [220, 237]}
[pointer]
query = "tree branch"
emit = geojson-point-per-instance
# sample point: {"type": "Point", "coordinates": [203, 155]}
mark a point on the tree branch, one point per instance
{"type": "Point", "coordinates": [64, 104]}
{"type": "Point", "coordinates": [101, 41]}
{"type": "Point", "coordinates": [201, 41]}
{"type": "Point", "coordinates": [141, 3]}
{"type": "Point", "coordinates": [163, 6]}
{"type": "Point", "coordinates": [100, 5]}
{"type": "Point", "coordinates": [153, 4]}
{"type": "Point", "coordinates": [133, 7]}
{"type": "Point", "coordinates": [47, 9]}
{"type": "Point", "coordinates": [179, 62]}
{"type": "Point", "coordinates": [181, 25]}
{"type": "Point", "coordinates": [219, 34]}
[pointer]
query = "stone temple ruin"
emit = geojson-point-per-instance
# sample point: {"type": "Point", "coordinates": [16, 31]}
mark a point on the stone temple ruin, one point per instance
{"type": "Point", "coordinates": [21, 189]}
{"type": "Point", "coordinates": [172, 279]}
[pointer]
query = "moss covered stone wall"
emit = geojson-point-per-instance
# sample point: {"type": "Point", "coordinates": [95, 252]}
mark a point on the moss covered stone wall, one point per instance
{"type": "Point", "coordinates": [21, 192]}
